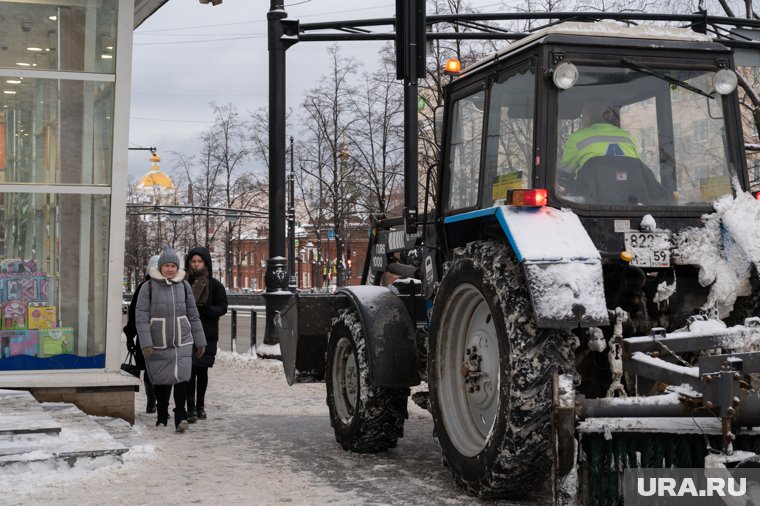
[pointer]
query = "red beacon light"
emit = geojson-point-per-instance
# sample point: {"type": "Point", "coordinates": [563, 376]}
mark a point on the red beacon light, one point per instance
{"type": "Point", "coordinates": [534, 197]}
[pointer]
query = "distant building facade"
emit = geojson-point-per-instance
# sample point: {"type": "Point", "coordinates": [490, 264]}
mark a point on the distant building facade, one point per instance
{"type": "Point", "coordinates": [316, 258]}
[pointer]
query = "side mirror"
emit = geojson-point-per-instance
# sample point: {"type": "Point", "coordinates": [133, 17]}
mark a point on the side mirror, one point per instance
{"type": "Point", "coordinates": [438, 124]}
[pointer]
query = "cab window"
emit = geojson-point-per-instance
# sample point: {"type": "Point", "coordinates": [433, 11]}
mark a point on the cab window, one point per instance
{"type": "Point", "coordinates": [465, 150]}
{"type": "Point", "coordinates": [509, 143]}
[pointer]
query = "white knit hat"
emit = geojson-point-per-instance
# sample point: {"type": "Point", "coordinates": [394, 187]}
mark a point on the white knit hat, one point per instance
{"type": "Point", "coordinates": [153, 262]}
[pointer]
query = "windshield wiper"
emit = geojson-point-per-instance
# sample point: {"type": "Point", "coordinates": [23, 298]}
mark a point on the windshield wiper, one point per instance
{"type": "Point", "coordinates": [646, 70]}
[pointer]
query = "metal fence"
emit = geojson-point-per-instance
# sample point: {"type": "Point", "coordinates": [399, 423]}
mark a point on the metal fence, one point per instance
{"type": "Point", "coordinates": [229, 338]}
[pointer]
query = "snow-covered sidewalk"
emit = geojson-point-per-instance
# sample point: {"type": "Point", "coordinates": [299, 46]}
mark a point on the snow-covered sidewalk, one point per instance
{"type": "Point", "coordinates": [263, 443]}
{"type": "Point", "coordinates": [171, 468]}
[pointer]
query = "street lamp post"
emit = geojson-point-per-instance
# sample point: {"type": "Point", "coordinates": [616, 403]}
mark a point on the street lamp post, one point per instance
{"type": "Point", "coordinates": [133, 274]}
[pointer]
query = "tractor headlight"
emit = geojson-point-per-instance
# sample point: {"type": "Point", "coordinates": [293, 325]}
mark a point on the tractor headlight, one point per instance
{"type": "Point", "coordinates": [565, 75]}
{"type": "Point", "coordinates": [725, 81]}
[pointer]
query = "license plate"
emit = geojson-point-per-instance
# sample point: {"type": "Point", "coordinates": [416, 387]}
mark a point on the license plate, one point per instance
{"type": "Point", "coordinates": [650, 249]}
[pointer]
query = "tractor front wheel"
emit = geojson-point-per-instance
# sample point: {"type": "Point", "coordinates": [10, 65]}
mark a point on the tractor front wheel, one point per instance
{"type": "Point", "coordinates": [490, 374]}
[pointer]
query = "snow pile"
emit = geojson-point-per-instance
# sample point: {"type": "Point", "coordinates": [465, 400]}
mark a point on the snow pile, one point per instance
{"type": "Point", "coordinates": [557, 288]}
{"type": "Point", "coordinates": [720, 460]}
{"type": "Point", "coordinates": [707, 326]}
{"type": "Point", "coordinates": [242, 361]}
{"type": "Point", "coordinates": [32, 476]}
{"type": "Point", "coordinates": [269, 350]}
{"type": "Point", "coordinates": [566, 391]}
{"type": "Point", "coordinates": [723, 249]}
{"type": "Point", "coordinates": [746, 340]}
{"type": "Point", "coordinates": [648, 224]}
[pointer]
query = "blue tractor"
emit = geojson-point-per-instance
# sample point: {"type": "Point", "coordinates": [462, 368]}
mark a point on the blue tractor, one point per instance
{"type": "Point", "coordinates": [576, 302]}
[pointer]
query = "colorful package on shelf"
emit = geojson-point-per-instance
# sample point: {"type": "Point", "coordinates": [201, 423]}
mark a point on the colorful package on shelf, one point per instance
{"type": "Point", "coordinates": [18, 342]}
{"type": "Point", "coordinates": [55, 341]}
{"type": "Point", "coordinates": [14, 316]}
{"type": "Point", "coordinates": [17, 265]}
{"type": "Point", "coordinates": [14, 288]}
{"type": "Point", "coordinates": [41, 316]}
{"type": "Point", "coordinates": [25, 286]}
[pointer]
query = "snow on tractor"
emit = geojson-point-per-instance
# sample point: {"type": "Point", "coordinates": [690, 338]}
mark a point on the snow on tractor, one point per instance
{"type": "Point", "coordinates": [584, 296]}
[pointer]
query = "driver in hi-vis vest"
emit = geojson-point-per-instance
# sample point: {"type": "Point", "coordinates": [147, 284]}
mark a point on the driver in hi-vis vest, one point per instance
{"type": "Point", "coordinates": [598, 137]}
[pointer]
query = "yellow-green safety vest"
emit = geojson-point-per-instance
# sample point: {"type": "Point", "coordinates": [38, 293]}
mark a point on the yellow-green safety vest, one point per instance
{"type": "Point", "coordinates": [600, 139]}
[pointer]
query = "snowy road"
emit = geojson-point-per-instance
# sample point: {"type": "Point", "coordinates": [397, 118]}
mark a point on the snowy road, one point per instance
{"type": "Point", "coordinates": [263, 443]}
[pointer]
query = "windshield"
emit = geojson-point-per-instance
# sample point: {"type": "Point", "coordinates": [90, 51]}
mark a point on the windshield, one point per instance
{"type": "Point", "coordinates": [627, 137]}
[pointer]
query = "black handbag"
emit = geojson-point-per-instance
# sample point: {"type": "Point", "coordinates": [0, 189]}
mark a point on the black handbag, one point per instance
{"type": "Point", "coordinates": [129, 365]}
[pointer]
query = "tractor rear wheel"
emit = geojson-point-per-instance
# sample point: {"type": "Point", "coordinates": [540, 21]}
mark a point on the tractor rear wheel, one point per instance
{"type": "Point", "coordinates": [365, 417]}
{"type": "Point", "coordinates": [490, 374]}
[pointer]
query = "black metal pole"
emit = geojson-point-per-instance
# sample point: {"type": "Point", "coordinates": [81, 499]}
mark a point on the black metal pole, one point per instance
{"type": "Point", "coordinates": [410, 155]}
{"type": "Point", "coordinates": [233, 331]}
{"type": "Point", "coordinates": [292, 224]}
{"type": "Point", "coordinates": [276, 276]}
{"type": "Point", "coordinates": [254, 322]}
{"type": "Point", "coordinates": [413, 37]}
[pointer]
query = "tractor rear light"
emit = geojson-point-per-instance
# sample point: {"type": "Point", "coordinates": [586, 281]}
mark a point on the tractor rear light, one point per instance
{"type": "Point", "coordinates": [527, 198]}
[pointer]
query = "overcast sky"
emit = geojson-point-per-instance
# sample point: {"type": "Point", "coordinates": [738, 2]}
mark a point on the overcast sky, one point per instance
{"type": "Point", "coordinates": [187, 55]}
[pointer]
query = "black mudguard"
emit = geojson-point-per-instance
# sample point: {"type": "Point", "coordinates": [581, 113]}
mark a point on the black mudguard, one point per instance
{"type": "Point", "coordinates": [389, 333]}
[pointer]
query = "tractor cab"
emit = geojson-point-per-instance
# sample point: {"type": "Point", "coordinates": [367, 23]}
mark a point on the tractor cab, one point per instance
{"type": "Point", "coordinates": [650, 115]}
{"type": "Point", "coordinates": [634, 130]}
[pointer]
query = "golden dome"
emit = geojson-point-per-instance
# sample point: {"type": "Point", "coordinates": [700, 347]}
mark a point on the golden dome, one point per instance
{"type": "Point", "coordinates": [153, 179]}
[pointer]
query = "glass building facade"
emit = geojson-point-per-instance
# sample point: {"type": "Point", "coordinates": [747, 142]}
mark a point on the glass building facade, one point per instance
{"type": "Point", "coordinates": [63, 124]}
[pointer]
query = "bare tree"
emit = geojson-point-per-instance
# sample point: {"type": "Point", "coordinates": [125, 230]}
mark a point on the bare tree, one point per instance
{"type": "Point", "coordinates": [219, 178]}
{"type": "Point", "coordinates": [328, 122]}
{"type": "Point", "coordinates": [202, 176]}
{"type": "Point", "coordinates": [237, 189]}
{"type": "Point", "coordinates": [376, 139]}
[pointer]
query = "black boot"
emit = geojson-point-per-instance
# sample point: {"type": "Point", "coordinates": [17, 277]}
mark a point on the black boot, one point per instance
{"type": "Point", "coordinates": [192, 415]}
{"type": "Point", "coordinates": [151, 405]}
{"type": "Point", "coordinates": [201, 413]}
{"type": "Point", "coordinates": [163, 415]}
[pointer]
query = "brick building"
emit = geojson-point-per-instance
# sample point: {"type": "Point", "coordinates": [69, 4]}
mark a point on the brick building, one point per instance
{"type": "Point", "coordinates": [315, 259]}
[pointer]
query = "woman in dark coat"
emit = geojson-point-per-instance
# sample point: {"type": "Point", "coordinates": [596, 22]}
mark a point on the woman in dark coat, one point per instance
{"type": "Point", "coordinates": [211, 299]}
{"type": "Point", "coordinates": [133, 342]}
